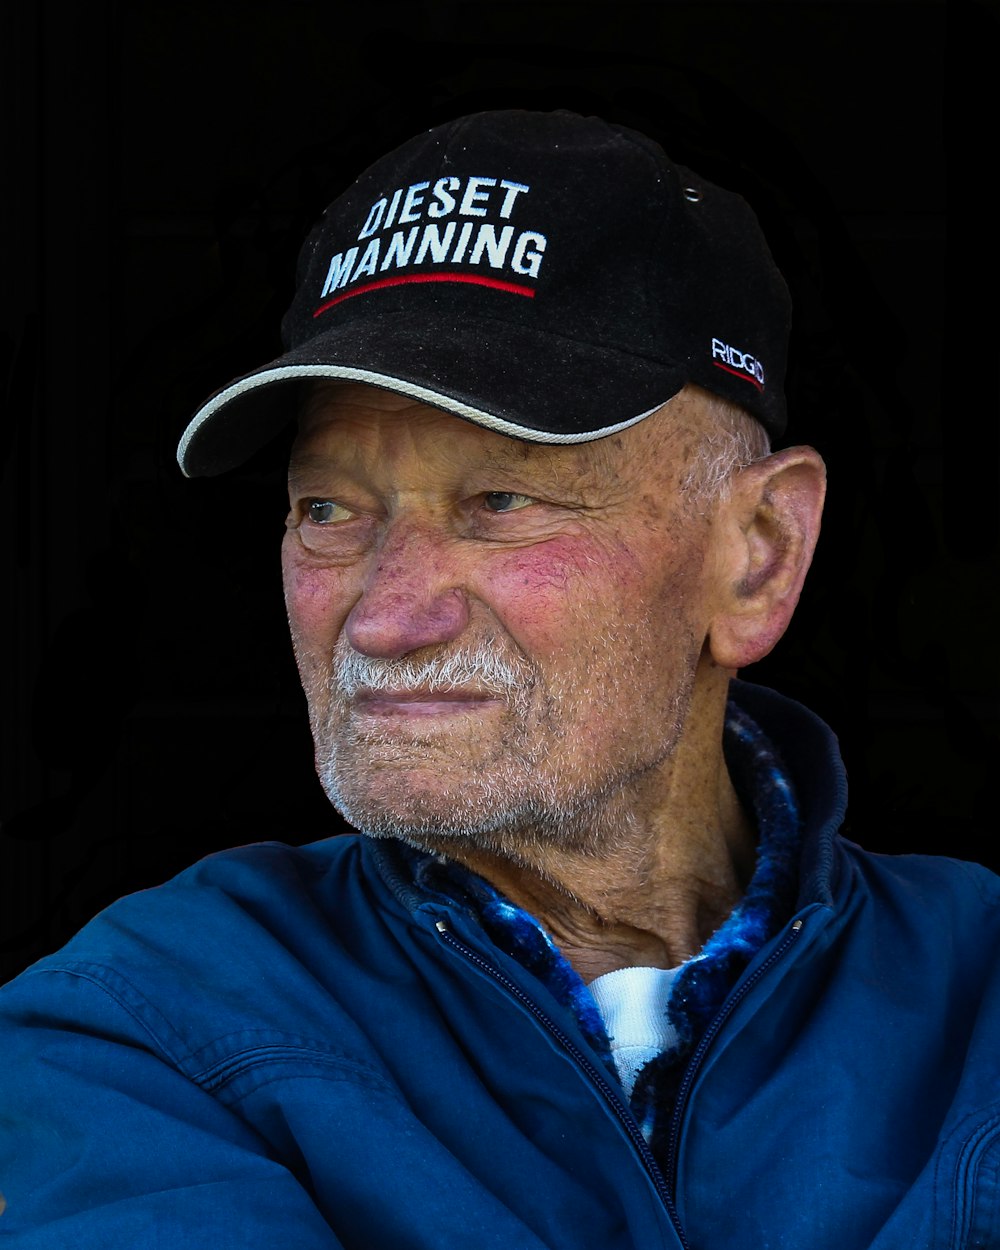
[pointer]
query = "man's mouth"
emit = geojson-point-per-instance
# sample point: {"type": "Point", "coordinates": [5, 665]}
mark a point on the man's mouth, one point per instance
{"type": "Point", "coordinates": [423, 702]}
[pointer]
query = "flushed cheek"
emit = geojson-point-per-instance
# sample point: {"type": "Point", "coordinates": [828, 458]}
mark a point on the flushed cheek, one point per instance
{"type": "Point", "coordinates": [538, 592]}
{"type": "Point", "coordinates": [317, 599]}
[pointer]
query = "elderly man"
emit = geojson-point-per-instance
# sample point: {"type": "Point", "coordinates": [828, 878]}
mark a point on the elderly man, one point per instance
{"type": "Point", "coordinates": [599, 971]}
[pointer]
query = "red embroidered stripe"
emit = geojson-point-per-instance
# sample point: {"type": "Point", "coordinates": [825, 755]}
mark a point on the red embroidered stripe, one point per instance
{"type": "Point", "coordinates": [475, 279]}
{"type": "Point", "coordinates": [738, 373]}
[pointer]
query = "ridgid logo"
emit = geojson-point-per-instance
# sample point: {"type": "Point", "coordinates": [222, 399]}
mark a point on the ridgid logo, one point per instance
{"type": "Point", "coordinates": [408, 235]}
{"type": "Point", "coordinates": [742, 364]}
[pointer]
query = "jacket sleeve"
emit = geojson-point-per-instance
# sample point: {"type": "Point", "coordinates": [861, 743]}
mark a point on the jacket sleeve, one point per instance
{"type": "Point", "coordinates": [106, 1143]}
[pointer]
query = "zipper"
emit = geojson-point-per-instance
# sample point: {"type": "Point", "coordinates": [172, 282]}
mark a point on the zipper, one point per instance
{"type": "Point", "coordinates": [698, 1056]}
{"type": "Point", "coordinates": [582, 1060]}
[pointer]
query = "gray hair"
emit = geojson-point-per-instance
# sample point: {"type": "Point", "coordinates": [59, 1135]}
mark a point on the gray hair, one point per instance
{"type": "Point", "coordinates": [736, 441]}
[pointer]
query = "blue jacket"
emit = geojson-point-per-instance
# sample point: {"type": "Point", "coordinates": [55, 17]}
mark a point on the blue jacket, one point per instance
{"type": "Point", "coordinates": [297, 1048]}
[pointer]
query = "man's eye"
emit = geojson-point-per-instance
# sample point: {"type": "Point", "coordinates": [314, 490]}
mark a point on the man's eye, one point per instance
{"type": "Point", "coordinates": [326, 511]}
{"type": "Point", "coordinates": [505, 501]}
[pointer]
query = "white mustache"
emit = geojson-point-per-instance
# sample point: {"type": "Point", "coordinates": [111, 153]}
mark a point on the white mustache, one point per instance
{"type": "Point", "coordinates": [479, 669]}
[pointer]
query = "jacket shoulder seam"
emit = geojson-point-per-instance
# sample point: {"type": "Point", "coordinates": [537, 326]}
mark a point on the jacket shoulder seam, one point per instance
{"type": "Point", "coordinates": [121, 991]}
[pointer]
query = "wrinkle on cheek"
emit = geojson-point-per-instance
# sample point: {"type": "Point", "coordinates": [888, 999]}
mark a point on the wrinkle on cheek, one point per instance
{"type": "Point", "coordinates": [310, 599]}
{"type": "Point", "coordinates": [306, 585]}
{"type": "Point", "coordinates": [555, 564]}
{"type": "Point", "coordinates": [547, 579]}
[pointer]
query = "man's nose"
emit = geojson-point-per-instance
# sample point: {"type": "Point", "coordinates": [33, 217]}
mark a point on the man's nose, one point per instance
{"type": "Point", "coordinates": [410, 597]}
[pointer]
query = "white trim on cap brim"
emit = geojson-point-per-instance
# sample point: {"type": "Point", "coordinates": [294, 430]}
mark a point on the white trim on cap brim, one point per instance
{"type": "Point", "coordinates": [387, 382]}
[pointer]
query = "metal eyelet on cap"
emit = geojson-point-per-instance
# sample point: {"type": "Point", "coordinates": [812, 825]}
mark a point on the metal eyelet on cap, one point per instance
{"type": "Point", "coordinates": [692, 193]}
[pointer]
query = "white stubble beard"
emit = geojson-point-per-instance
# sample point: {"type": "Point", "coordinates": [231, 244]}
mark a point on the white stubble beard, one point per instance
{"type": "Point", "coordinates": [518, 800]}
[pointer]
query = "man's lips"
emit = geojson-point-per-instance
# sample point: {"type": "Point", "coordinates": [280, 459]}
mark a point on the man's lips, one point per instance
{"type": "Point", "coordinates": [422, 702]}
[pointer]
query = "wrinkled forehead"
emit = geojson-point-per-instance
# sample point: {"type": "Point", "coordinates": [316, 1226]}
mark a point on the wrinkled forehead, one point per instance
{"type": "Point", "coordinates": [338, 419]}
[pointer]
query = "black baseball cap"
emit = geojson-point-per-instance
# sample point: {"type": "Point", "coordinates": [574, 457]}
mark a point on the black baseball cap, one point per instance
{"type": "Point", "coordinates": [552, 277]}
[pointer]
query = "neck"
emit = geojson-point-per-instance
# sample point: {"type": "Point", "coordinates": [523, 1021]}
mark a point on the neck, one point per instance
{"type": "Point", "coordinates": [665, 884]}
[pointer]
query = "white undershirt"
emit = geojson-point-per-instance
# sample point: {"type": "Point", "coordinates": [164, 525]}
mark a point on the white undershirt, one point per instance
{"type": "Point", "coordinates": [633, 1005]}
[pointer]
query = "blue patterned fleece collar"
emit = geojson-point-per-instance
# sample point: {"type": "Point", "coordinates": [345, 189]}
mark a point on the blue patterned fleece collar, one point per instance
{"type": "Point", "coordinates": [704, 982]}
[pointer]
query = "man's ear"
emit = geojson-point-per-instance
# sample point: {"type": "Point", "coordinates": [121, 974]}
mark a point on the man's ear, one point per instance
{"type": "Point", "coordinates": [766, 534]}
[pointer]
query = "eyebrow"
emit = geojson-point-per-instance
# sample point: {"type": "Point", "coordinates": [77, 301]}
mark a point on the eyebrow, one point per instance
{"type": "Point", "coordinates": [511, 456]}
{"type": "Point", "coordinates": [544, 458]}
{"type": "Point", "coordinates": [306, 464]}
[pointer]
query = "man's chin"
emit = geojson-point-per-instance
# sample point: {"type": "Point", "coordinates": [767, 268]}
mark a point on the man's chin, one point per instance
{"type": "Point", "coordinates": [409, 811]}
{"type": "Point", "coordinates": [515, 823]}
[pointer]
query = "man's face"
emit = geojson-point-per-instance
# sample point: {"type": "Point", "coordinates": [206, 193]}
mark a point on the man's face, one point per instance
{"type": "Point", "coordinates": [497, 639]}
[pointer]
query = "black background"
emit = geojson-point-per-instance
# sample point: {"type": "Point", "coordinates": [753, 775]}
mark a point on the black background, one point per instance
{"type": "Point", "coordinates": [167, 159]}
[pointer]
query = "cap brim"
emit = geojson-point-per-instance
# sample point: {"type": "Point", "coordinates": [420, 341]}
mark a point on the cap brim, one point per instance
{"type": "Point", "coordinates": [517, 380]}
